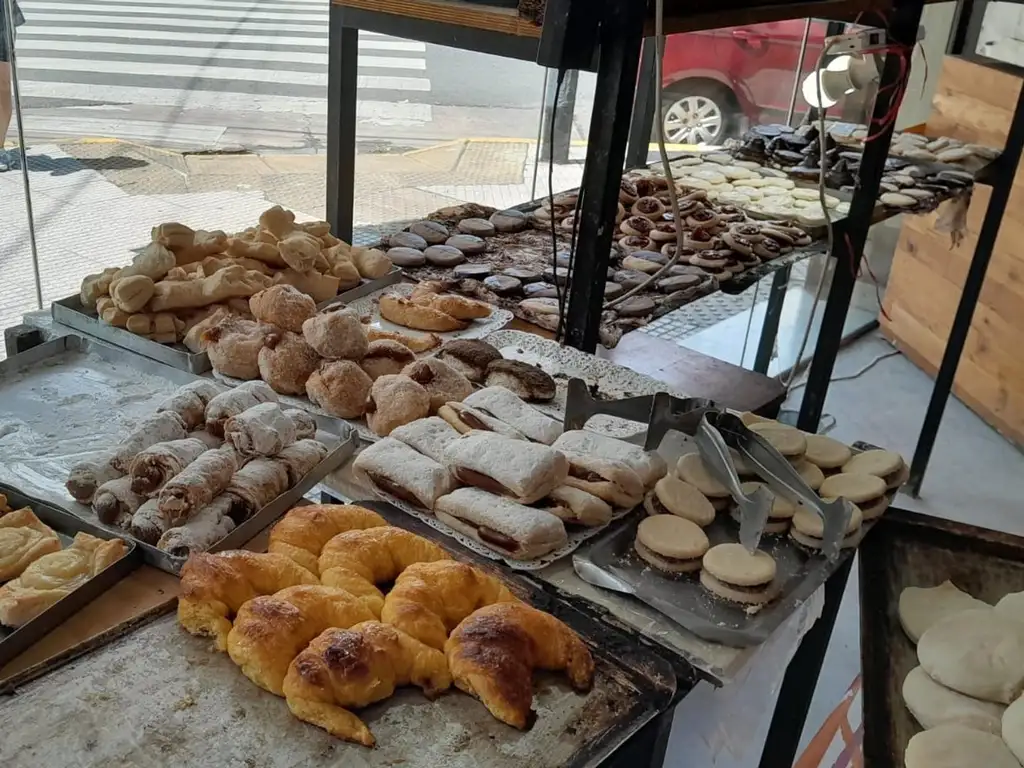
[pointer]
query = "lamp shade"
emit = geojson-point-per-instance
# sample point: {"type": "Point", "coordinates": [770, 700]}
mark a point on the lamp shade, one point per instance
{"type": "Point", "coordinates": [842, 76]}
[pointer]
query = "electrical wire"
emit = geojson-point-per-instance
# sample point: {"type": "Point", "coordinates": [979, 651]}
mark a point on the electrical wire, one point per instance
{"type": "Point", "coordinates": [856, 374]}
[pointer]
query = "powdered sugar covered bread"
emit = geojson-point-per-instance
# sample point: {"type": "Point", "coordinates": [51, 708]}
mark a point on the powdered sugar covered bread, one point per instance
{"type": "Point", "coordinates": [500, 523]}
{"type": "Point", "coordinates": [262, 430]}
{"type": "Point", "coordinates": [648, 464]}
{"type": "Point", "coordinates": [397, 469]}
{"type": "Point", "coordinates": [428, 436]}
{"type": "Point", "coordinates": [523, 470]}
{"type": "Point", "coordinates": [509, 408]}
{"type": "Point", "coordinates": [233, 402]}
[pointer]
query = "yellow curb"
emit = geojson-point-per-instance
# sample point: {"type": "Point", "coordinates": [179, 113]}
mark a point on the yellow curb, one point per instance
{"type": "Point", "coordinates": [504, 140]}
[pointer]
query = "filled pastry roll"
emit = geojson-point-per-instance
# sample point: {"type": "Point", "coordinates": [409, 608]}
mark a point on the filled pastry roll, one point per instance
{"type": "Point", "coordinates": [525, 471]}
{"type": "Point", "coordinates": [210, 524]}
{"type": "Point", "coordinates": [428, 436]}
{"type": "Point", "coordinates": [147, 523]}
{"type": "Point", "coordinates": [647, 464]}
{"type": "Point", "coordinates": [577, 507]}
{"type": "Point", "coordinates": [190, 402]}
{"type": "Point", "coordinates": [115, 502]}
{"type": "Point", "coordinates": [465, 418]}
{"type": "Point", "coordinates": [613, 481]}
{"type": "Point", "coordinates": [511, 528]}
{"type": "Point", "coordinates": [305, 424]}
{"type": "Point", "coordinates": [397, 469]}
{"type": "Point", "coordinates": [153, 467]}
{"type": "Point", "coordinates": [233, 402]}
{"type": "Point", "coordinates": [509, 408]}
{"type": "Point", "coordinates": [87, 476]}
{"type": "Point", "coordinates": [255, 485]}
{"type": "Point", "coordinates": [262, 430]}
{"type": "Point", "coordinates": [300, 457]}
{"type": "Point", "coordinates": [197, 485]}
{"type": "Point", "coordinates": [159, 428]}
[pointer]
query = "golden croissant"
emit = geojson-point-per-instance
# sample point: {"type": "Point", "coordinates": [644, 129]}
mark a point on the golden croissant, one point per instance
{"type": "Point", "coordinates": [493, 652]}
{"type": "Point", "coordinates": [353, 668]}
{"type": "Point", "coordinates": [430, 599]}
{"type": "Point", "coordinates": [24, 538]}
{"type": "Point", "coordinates": [357, 560]}
{"type": "Point", "coordinates": [214, 587]}
{"type": "Point", "coordinates": [269, 631]}
{"type": "Point", "coordinates": [302, 533]}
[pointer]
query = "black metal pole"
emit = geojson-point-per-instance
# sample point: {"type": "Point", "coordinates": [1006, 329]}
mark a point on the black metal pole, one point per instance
{"type": "Point", "coordinates": [342, 74]}
{"type": "Point", "coordinates": [1002, 176]}
{"type": "Point", "coordinates": [852, 233]}
{"type": "Point", "coordinates": [645, 107]}
{"type": "Point", "coordinates": [618, 61]}
{"type": "Point", "coordinates": [770, 324]}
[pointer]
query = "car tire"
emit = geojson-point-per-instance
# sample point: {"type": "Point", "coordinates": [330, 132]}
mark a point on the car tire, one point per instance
{"type": "Point", "coordinates": [709, 103]}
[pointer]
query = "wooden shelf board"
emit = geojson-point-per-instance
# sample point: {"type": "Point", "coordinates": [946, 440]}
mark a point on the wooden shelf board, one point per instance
{"type": "Point", "coordinates": [455, 12]}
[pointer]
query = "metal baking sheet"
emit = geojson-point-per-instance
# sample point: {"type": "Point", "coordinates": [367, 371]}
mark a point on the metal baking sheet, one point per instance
{"type": "Point", "coordinates": [71, 313]}
{"type": "Point", "coordinates": [66, 525]}
{"type": "Point", "coordinates": [907, 549]}
{"type": "Point", "coordinates": [160, 691]}
{"type": "Point", "coordinates": [365, 288]}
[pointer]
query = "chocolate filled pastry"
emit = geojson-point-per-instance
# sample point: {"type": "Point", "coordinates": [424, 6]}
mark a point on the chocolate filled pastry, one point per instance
{"type": "Point", "coordinates": [632, 243]}
{"type": "Point", "coordinates": [767, 249]}
{"type": "Point", "coordinates": [502, 524]}
{"type": "Point", "coordinates": [650, 207]}
{"type": "Point", "coordinates": [428, 436]}
{"type": "Point", "coordinates": [209, 525]}
{"type": "Point", "coordinates": [464, 418]}
{"type": "Point", "coordinates": [154, 466]}
{"type": "Point", "coordinates": [470, 357]}
{"type": "Point", "coordinates": [575, 506]}
{"type": "Point", "coordinates": [443, 383]}
{"type": "Point", "coordinates": [406, 313]}
{"type": "Point", "coordinates": [702, 218]}
{"type": "Point", "coordinates": [159, 428]}
{"type": "Point", "coordinates": [649, 465]}
{"type": "Point", "coordinates": [147, 524]}
{"type": "Point", "coordinates": [640, 226]}
{"type": "Point", "coordinates": [115, 502]}
{"type": "Point", "coordinates": [197, 485]}
{"type": "Point", "coordinates": [397, 469]}
{"type": "Point", "coordinates": [385, 357]}
{"type": "Point", "coordinates": [502, 404]}
{"type": "Point", "coordinates": [610, 480]}
{"type": "Point", "coordinates": [664, 232]}
{"type": "Point", "coordinates": [751, 232]}
{"type": "Point", "coordinates": [234, 346]}
{"type": "Point", "coordinates": [300, 457]}
{"type": "Point", "coordinates": [336, 334]}
{"type": "Point", "coordinates": [254, 486]}
{"type": "Point", "coordinates": [522, 379]}
{"type": "Point", "coordinates": [286, 362]}
{"type": "Point", "coordinates": [341, 388]}
{"type": "Point", "coordinates": [87, 476]}
{"type": "Point", "coordinates": [262, 430]}
{"type": "Point", "coordinates": [233, 402]}
{"type": "Point", "coordinates": [627, 192]}
{"type": "Point", "coordinates": [524, 471]}
{"type": "Point", "coordinates": [394, 401]}
{"type": "Point", "coordinates": [283, 306]}
{"type": "Point", "coordinates": [190, 402]}
{"type": "Point", "coordinates": [700, 240]}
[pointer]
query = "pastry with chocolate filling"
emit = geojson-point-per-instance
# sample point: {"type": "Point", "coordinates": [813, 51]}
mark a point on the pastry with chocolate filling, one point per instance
{"type": "Point", "coordinates": [788, 441]}
{"type": "Point", "coordinates": [807, 528]}
{"type": "Point", "coordinates": [608, 479]}
{"type": "Point", "coordinates": [887, 465]}
{"type": "Point", "coordinates": [527, 472]}
{"type": "Point", "coordinates": [502, 524]}
{"type": "Point", "coordinates": [647, 464]}
{"type": "Point", "coordinates": [464, 418]}
{"type": "Point", "coordinates": [527, 381]}
{"type": "Point", "coordinates": [470, 357]}
{"type": "Point", "coordinates": [503, 404]}
{"type": "Point", "coordinates": [731, 572]}
{"type": "Point", "coordinates": [866, 491]}
{"type": "Point", "coordinates": [672, 496]}
{"type": "Point", "coordinates": [385, 357]}
{"type": "Point", "coordinates": [395, 468]}
{"type": "Point", "coordinates": [428, 436]}
{"type": "Point", "coordinates": [443, 383]}
{"type": "Point", "coordinates": [779, 515]}
{"type": "Point", "coordinates": [574, 506]}
{"type": "Point", "coordinates": [826, 453]}
{"type": "Point", "coordinates": [394, 401]}
{"type": "Point", "coordinates": [692, 469]}
{"type": "Point", "coordinates": [671, 544]}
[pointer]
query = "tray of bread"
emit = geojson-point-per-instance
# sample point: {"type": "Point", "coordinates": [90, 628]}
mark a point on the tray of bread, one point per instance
{"type": "Point", "coordinates": [942, 622]}
{"type": "Point", "coordinates": [280, 664]}
{"type": "Point", "coordinates": [184, 281]}
{"type": "Point", "coordinates": [53, 565]}
{"type": "Point", "coordinates": [683, 556]}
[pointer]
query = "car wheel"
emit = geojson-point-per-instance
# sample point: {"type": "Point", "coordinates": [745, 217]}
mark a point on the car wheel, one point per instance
{"type": "Point", "coordinates": [698, 113]}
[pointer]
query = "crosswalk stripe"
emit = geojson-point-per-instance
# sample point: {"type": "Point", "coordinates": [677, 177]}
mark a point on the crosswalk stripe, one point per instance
{"type": "Point", "coordinates": [206, 37]}
{"type": "Point", "coordinates": [209, 69]}
{"type": "Point", "coordinates": [142, 22]}
{"type": "Point", "coordinates": [214, 53]}
{"type": "Point", "coordinates": [168, 9]}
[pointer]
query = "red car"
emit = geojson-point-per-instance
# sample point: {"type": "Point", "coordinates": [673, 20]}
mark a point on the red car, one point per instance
{"type": "Point", "coordinates": [716, 82]}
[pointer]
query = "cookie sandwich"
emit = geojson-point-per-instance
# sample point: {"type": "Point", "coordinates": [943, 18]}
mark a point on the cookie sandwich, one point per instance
{"type": "Point", "coordinates": [779, 515]}
{"type": "Point", "coordinates": [731, 572]}
{"type": "Point", "coordinates": [866, 491]}
{"type": "Point", "coordinates": [672, 496]}
{"type": "Point", "coordinates": [671, 544]}
{"type": "Point", "coordinates": [807, 528]}
{"type": "Point", "coordinates": [692, 469]}
{"type": "Point", "coordinates": [887, 465]}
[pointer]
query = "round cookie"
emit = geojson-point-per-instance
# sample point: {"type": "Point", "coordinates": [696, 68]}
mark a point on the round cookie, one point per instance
{"type": "Point", "coordinates": [866, 491]}
{"type": "Point", "coordinates": [1013, 728]}
{"type": "Point", "coordinates": [810, 473]}
{"type": "Point", "coordinates": [807, 528]}
{"type": "Point", "coordinates": [826, 453]}
{"type": "Point", "coordinates": [921, 607]}
{"type": "Point", "coordinates": [788, 441]}
{"type": "Point", "coordinates": [887, 465]}
{"type": "Point", "coordinates": [673, 496]}
{"type": "Point", "coordinates": [729, 571]}
{"type": "Point", "coordinates": [953, 745]}
{"type": "Point", "coordinates": [781, 513]}
{"type": "Point", "coordinates": [670, 543]}
{"type": "Point", "coordinates": [933, 705]}
{"type": "Point", "coordinates": [692, 470]}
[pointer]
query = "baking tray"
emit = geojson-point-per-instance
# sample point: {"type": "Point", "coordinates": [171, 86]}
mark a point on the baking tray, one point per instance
{"type": "Point", "coordinates": [365, 288]}
{"type": "Point", "coordinates": [71, 313]}
{"type": "Point", "coordinates": [906, 549]}
{"type": "Point", "coordinates": [66, 525]}
{"type": "Point", "coordinates": [210, 714]}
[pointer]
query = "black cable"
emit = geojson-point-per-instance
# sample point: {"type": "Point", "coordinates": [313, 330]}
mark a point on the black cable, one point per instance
{"type": "Point", "coordinates": [551, 204]}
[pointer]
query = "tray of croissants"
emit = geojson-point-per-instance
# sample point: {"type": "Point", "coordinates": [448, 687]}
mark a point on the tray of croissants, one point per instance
{"type": "Point", "coordinates": [345, 608]}
{"type": "Point", "coordinates": [208, 470]}
{"type": "Point", "coordinates": [52, 563]}
{"type": "Point", "coordinates": [184, 281]}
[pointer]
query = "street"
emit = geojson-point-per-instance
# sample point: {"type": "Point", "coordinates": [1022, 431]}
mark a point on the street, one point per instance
{"type": "Point", "coordinates": [253, 73]}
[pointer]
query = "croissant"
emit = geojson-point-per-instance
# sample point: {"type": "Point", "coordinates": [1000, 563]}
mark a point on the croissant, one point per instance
{"type": "Point", "coordinates": [430, 599]}
{"type": "Point", "coordinates": [358, 560]}
{"type": "Point", "coordinates": [24, 538]}
{"type": "Point", "coordinates": [354, 668]}
{"type": "Point", "coordinates": [493, 652]}
{"type": "Point", "coordinates": [214, 587]}
{"type": "Point", "coordinates": [303, 531]}
{"type": "Point", "coordinates": [269, 631]}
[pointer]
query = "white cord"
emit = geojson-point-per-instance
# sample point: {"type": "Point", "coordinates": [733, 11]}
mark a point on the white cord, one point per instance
{"type": "Point", "coordinates": [856, 374]}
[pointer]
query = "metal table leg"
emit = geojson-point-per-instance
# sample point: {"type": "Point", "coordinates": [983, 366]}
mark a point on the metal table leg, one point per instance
{"type": "Point", "coordinates": [342, 72]}
{"type": "Point", "coordinates": [770, 325]}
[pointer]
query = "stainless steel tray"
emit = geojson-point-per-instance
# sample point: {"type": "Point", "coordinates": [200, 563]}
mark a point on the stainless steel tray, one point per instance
{"type": "Point", "coordinates": [365, 288]}
{"type": "Point", "coordinates": [71, 313]}
{"type": "Point", "coordinates": [66, 525]}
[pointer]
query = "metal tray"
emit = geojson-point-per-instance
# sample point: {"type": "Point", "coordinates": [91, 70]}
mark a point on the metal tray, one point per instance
{"type": "Point", "coordinates": [66, 525]}
{"type": "Point", "coordinates": [365, 288]}
{"type": "Point", "coordinates": [71, 313]}
{"type": "Point", "coordinates": [906, 549]}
